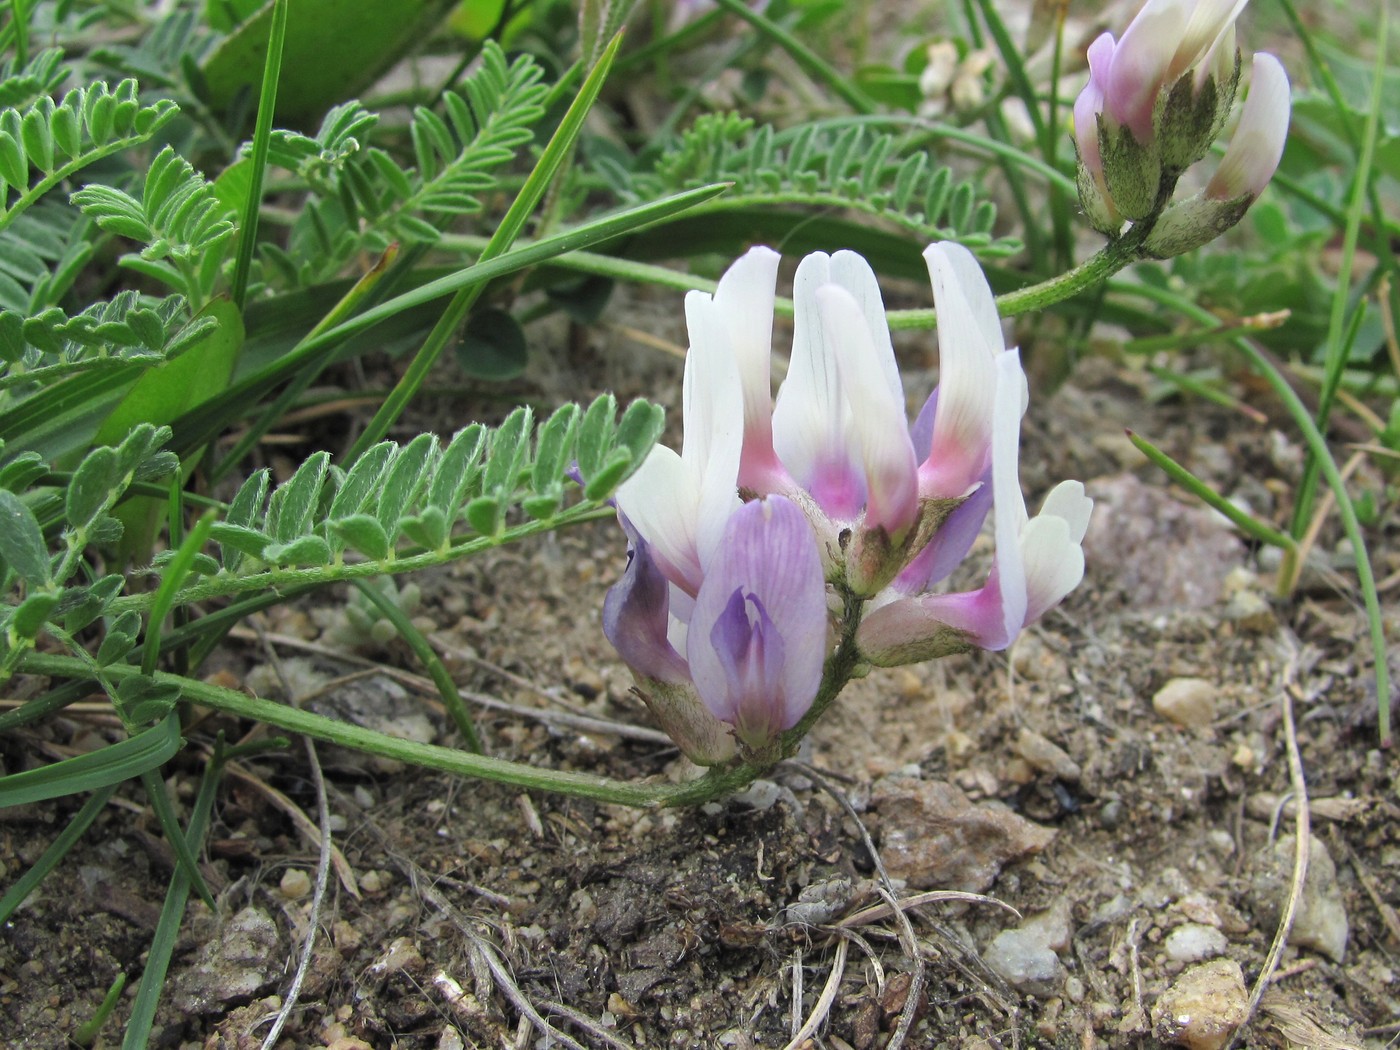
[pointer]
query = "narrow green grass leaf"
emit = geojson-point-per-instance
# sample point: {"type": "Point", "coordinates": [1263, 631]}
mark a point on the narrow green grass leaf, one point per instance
{"type": "Point", "coordinates": [112, 764]}
{"type": "Point", "coordinates": [262, 134]}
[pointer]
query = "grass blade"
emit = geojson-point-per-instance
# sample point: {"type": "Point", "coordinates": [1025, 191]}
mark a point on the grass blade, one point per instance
{"type": "Point", "coordinates": [1336, 345]}
{"type": "Point", "coordinates": [262, 136]}
{"type": "Point", "coordinates": [133, 757]}
{"type": "Point", "coordinates": [143, 1009]}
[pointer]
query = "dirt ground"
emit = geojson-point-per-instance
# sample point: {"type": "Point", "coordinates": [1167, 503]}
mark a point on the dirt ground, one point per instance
{"type": "Point", "coordinates": [1121, 781]}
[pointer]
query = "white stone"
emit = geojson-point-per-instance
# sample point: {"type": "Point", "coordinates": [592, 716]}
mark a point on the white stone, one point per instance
{"type": "Point", "coordinates": [1194, 942]}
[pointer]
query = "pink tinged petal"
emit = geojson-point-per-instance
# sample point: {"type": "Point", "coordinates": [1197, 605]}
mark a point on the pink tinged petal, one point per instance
{"type": "Point", "coordinates": [909, 630]}
{"type": "Point", "coordinates": [757, 638]}
{"type": "Point", "coordinates": [969, 339]}
{"type": "Point", "coordinates": [1218, 62]}
{"type": "Point", "coordinates": [1140, 62]}
{"type": "Point", "coordinates": [662, 501]}
{"type": "Point", "coordinates": [1209, 21]}
{"type": "Point", "coordinates": [809, 418]}
{"type": "Point", "coordinates": [1089, 105]}
{"type": "Point", "coordinates": [636, 616]}
{"type": "Point", "coordinates": [714, 422]}
{"type": "Point", "coordinates": [744, 304]}
{"type": "Point", "coordinates": [1254, 151]}
{"type": "Point", "coordinates": [876, 423]}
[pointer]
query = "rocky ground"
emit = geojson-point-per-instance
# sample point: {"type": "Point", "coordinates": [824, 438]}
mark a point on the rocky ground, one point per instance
{"type": "Point", "coordinates": [1113, 805]}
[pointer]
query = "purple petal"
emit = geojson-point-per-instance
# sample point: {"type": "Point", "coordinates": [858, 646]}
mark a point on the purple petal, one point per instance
{"type": "Point", "coordinates": [950, 544]}
{"type": "Point", "coordinates": [636, 614]}
{"type": "Point", "coordinates": [757, 637]}
{"type": "Point", "coordinates": [921, 431]}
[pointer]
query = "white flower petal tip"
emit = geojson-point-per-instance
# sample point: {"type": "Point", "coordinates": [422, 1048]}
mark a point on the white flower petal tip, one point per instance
{"type": "Point", "coordinates": [1257, 145]}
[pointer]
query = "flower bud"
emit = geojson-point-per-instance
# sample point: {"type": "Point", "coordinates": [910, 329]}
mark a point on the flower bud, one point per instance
{"type": "Point", "coordinates": [1248, 164]}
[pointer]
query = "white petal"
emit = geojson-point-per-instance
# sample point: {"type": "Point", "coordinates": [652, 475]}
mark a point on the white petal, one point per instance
{"type": "Point", "coordinates": [714, 421]}
{"type": "Point", "coordinates": [969, 341]}
{"type": "Point", "coordinates": [744, 303]}
{"type": "Point", "coordinates": [950, 264]}
{"type": "Point", "coordinates": [1257, 144]}
{"type": "Point", "coordinates": [661, 501]}
{"type": "Point", "coordinates": [1067, 500]}
{"type": "Point", "coordinates": [854, 274]}
{"type": "Point", "coordinates": [1054, 563]}
{"type": "Point", "coordinates": [875, 421]}
{"type": "Point", "coordinates": [1009, 506]}
{"type": "Point", "coordinates": [807, 418]}
{"type": "Point", "coordinates": [1208, 21]}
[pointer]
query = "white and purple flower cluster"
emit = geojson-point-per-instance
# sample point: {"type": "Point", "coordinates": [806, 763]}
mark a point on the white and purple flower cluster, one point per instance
{"type": "Point", "coordinates": [1156, 101]}
{"type": "Point", "coordinates": [783, 520]}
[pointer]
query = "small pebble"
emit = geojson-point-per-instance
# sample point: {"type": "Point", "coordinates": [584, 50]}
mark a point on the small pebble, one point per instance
{"type": "Point", "coordinates": [295, 884]}
{"type": "Point", "coordinates": [1204, 1007]}
{"type": "Point", "coordinates": [1188, 702]}
{"type": "Point", "coordinates": [1194, 942]}
{"type": "Point", "coordinates": [1046, 756]}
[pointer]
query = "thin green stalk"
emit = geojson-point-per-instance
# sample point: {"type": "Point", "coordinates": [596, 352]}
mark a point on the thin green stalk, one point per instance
{"type": "Point", "coordinates": [1246, 523]}
{"type": "Point", "coordinates": [282, 579]}
{"type": "Point", "coordinates": [443, 759]}
{"type": "Point", "coordinates": [262, 137]}
{"type": "Point", "coordinates": [171, 579]}
{"type": "Point", "coordinates": [159, 797]}
{"type": "Point", "coordinates": [811, 63]}
{"type": "Point", "coordinates": [19, 19]}
{"type": "Point", "coordinates": [86, 1033]}
{"type": "Point", "coordinates": [1323, 72]}
{"type": "Point", "coordinates": [555, 153]}
{"type": "Point", "coordinates": [199, 426]}
{"type": "Point", "coordinates": [442, 678]}
{"type": "Point", "coordinates": [1335, 362]}
{"type": "Point", "coordinates": [1113, 257]}
{"type": "Point", "coordinates": [343, 309]}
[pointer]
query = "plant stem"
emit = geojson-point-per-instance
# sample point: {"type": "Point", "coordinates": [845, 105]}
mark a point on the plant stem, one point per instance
{"type": "Point", "coordinates": [1111, 258]}
{"type": "Point", "coordinates": [713, 785]}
